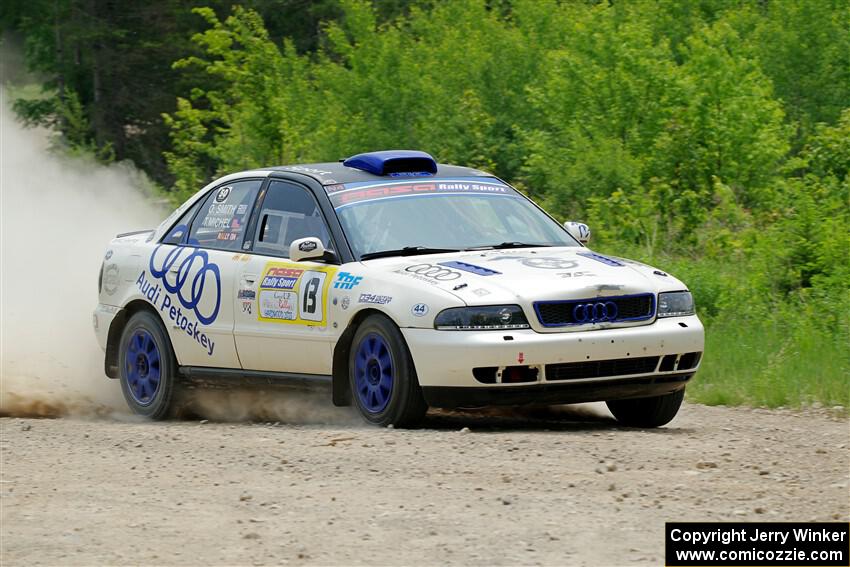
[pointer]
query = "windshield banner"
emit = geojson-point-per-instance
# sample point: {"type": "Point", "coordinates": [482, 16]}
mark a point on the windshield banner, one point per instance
{"type": "Point", "coordinates": [368, 191]}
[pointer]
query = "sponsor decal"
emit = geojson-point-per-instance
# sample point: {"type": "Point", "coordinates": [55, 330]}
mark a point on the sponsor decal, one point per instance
{"type": "Point", "coordinates": [543, 262]}
{"type": "Point", "coordinates": [520, 358]}
{"type": "Point", "coordinates": [194, 277]}
{"type": "Point", "coordinates": [582, 229]}
{"type": "Point", "coordinates": [110, 279]}
{"type": "Point", "coordinates": [600, 258]}
{"type": "Point", "coordinates": [241, 209]}
{"type": "Point", "coordinates": [345, 280]}
{"type": "Point", "coordinates": [433, 272]}
{"type": "Point", "coordinates": [346, 301]}
{"type": "Point", "coordinates": [400, 189]}
{"type": "Point", "coordinates": [280, 278]}
{"type": "Point", "coordinates": [480, 292]}
{"type": "Point", "coordinates": [372, 298]}
{"type": "Point", "coordinates": [576, 275]}
{"type": "Point", "coordinates": [411, 174]}
{"type": "Point", "coordinates": [290, 293]}
{"type": "Point", "coordinates": [419, 310]}
{"type": "Point", "coordinates": [472, 268]}
{"type": "Point", "coordinates": [303, 169]}
{"type": "Point", "coordinates": [246, 294]}
{"type": "Point", "coordinates": [247, 307]}
{"type": "Point", "coordinates": [281, 305]}
{"type": "Point", "coordinates": [308, 246]}
{"type": "Point", "coordinates": [222, 195]}
{"type": "Point", "coordinates": [181, 320]}
{"type": "Point", "coordinates": [184, 278]}
{"type": "Point", "coordinates": [108, 255]}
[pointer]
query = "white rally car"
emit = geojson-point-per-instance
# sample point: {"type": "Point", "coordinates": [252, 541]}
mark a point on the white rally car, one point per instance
{"type": "Point", "coordinates": [401, 283]}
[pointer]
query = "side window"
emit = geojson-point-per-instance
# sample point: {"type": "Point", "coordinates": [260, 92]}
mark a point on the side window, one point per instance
{"type": "Point", "coordinates": [178, 232]}
{"type": "Point", "coordinates": [289, 212]}
{"type": "Point", "coordinates": [221, 220]}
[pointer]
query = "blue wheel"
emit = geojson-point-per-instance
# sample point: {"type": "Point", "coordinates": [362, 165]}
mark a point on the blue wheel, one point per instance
{"type": "Point", "coordinates": [382, 377]}
{"type": "Point", "coordinates": [143, 367]}
{"type": "Point", "coordinates": [373, 373]}
{"type": "Point", "coordinates": [147, 366]}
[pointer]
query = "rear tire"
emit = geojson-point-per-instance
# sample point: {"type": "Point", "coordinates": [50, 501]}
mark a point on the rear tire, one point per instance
{"type": "Point", "coordinates": [647, 412]}
{"type": "Point", "coordinates": [382, 377]}
{"type": "Point", "coordinates": [147, 368]}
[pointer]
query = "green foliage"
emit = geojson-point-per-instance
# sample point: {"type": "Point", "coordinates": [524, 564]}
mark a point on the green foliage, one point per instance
{"type": "Point", "coordinates": [707, 137]}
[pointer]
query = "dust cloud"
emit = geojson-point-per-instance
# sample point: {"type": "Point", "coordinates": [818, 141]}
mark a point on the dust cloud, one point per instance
{"type": "Point", "coordinates": [57, 216]}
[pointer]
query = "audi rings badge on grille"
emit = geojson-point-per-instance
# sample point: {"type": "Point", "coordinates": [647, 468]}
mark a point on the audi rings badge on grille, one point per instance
{"type": "Point", "coordinates": [174, 270]}
{"type": "Point", "coordinates": [438, 273]}
{"type": "Point", "coordinates": [595, 312]}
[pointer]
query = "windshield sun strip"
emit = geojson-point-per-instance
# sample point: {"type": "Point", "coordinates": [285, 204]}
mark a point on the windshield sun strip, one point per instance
{"type": "Point", "coordinates": [423, 195]}
{"type": "Point", "coordinates": [375, 191]}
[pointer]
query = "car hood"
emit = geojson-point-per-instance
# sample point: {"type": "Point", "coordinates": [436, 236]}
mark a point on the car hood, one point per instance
{"type": "Point", "coordinates": [528, 275]}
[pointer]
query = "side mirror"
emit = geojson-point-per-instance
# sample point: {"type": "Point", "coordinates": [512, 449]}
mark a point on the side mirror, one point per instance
{"type": "Point", "coordinates": [309, 248]}
{"type": "Point", "coordinates": [578, 230]}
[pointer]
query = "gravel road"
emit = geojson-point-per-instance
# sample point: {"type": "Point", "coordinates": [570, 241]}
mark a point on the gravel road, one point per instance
{"type": "Point", "coordinates": [569, 488]}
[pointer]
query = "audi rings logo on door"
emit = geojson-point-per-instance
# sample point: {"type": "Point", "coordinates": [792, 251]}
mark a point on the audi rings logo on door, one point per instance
{"type": "Point", "coordinates": [595, 312]}
{"type": "Point", "coordinates": [438, 273]}
{"type": "Point", "coordinates": [186, 271]}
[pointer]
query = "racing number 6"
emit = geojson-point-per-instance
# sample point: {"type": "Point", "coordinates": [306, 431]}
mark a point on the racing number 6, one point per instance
{"type": "Point", "coordinates": [311, 296]}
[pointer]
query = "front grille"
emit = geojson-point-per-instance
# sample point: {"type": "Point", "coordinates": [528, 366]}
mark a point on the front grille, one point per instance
{"type": "Point", "coordinates": [601, 368]}
{"type": "Point", "coordinates": [564, 313]}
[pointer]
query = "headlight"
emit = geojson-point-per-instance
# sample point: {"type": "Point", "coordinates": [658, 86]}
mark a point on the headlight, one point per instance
{"type": "Point", "coordinates": [487, 318]}
{"type": "Point", "coordinates": [675, 304]}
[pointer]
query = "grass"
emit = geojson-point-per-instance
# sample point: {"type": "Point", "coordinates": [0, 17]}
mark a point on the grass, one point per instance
{"type": "Point", "coordinates": [789, 360]}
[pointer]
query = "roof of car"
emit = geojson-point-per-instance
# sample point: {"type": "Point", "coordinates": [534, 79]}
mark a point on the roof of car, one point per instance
{"type": "Point", "coordinates": [332, 173]}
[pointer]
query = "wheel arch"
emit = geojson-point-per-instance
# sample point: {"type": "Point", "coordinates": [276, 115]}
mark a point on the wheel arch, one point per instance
{"type": "Point", "coordinates": [116, 328]}
{"type": "Point", "coordinates": [341, 389]}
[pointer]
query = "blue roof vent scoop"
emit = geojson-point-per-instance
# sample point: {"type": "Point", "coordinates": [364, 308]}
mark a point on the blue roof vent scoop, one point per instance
{"type": "Point", "coordinates": [394, 162]}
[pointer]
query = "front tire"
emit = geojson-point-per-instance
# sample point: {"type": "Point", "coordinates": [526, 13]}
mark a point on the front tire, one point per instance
{"type": "Point", "coordinates": [647, 412]}
{"type": "Point", "coordinates": [147, 367]}
{"type": "Point", "coordinates": [382, 376]}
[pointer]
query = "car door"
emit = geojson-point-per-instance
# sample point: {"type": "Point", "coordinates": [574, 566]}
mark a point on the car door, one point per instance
{"type": "Point", "coordinates": [281, 307]}
{"type": "Point", "coordinates": [193, 274]}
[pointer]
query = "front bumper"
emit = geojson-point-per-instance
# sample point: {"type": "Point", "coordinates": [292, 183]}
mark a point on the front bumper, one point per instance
{"type": "Point", "coordinates": [550, 393]}
{"type": "Point", "coordinates": [445, 361]}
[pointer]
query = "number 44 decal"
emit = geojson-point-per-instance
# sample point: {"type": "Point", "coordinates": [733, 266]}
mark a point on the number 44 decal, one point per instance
{"type": "Point", "coordinates": [312, 285]}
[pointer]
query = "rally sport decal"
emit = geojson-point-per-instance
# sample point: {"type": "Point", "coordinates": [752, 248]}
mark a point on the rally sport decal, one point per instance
{"type": "Point", "coordinates": [190, 282]}
{"type": "Point", "coordinates": [294, 294]}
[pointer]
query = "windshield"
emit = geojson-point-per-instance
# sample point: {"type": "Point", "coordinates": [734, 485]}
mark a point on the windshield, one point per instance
{"type": "Point", "coordinates": [443, 214]}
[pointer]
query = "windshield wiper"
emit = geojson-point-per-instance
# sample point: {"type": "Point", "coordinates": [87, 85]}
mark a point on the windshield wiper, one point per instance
{"type": "Point", "coordinates": [505, 245]}
{"type": "Point", "coordinates": [406, 251]}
